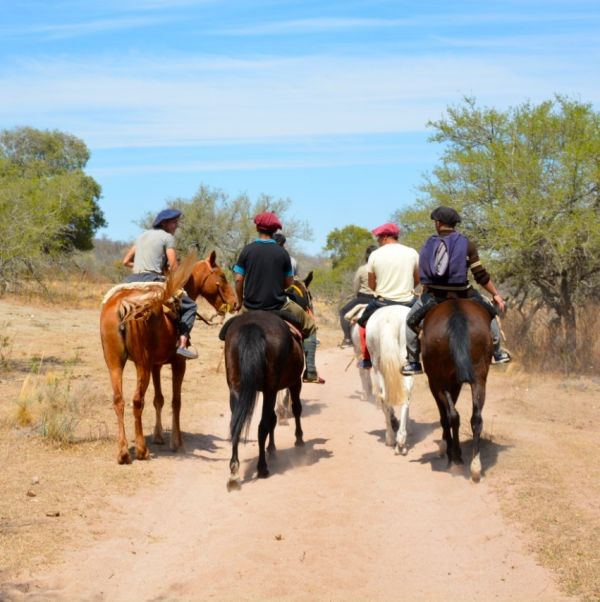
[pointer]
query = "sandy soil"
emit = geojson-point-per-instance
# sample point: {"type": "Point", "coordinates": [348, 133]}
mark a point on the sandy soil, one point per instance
{"type": "Point", "coordinates": [341, 519]}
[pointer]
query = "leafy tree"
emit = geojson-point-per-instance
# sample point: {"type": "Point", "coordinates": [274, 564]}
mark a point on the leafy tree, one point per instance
{"type": "Point", "coordinates": [215, 221]}
{"type": "Point", "coordinates": [48, 205]}
{"type": "Point", "coordinates": [346, 250]}
{"type": "Point", "coordinates": [527, 183]}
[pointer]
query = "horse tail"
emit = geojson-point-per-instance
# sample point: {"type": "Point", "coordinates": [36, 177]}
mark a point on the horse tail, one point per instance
{"type": "Point", "coordinates": [460, 346]}
{"type": "Point", "coordinates": [251, 351]}
{"type": "Point", "coordinates": [390, 362]}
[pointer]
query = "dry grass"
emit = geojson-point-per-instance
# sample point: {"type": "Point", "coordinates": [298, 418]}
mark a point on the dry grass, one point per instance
{"type": "Point", "coordinates": [546, 474]}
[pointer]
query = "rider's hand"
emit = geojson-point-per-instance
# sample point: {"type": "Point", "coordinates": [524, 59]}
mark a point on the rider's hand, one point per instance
{"type": "Point", "coordinates": [499, 301]}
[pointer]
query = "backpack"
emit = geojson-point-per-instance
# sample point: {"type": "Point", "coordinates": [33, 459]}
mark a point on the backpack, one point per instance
{"type": "Point", "coordinates": [443, 260]}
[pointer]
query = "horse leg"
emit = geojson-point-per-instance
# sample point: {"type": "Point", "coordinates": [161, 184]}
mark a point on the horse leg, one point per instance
{"type": "Point", "coordinates": [116, 379]}
{"type": "Point", "coordinates": [158, 402]}
{"type": "Point", "coordinates": [297, 411]}
{"type": "Point", "coordinates": [271, 449]}
{"type": "Point", "coordinates": [402, 430]}
{"type": "Point", "coordinates": [445, 446]}
{"type": "Point", "coordinates": [234, 463]}
{"type": "Point", "coordinates": [267, 423]}
{"type": "Point", "coordinates": [390, 422]}
{"type": "Point", "coordinates": [454, 419]}
{"type": "Point", "coordinates": [478, 394]}
{"type": "Point", "coordinates": [178, 368]}
{"type": "Point", "coordinates": [143, 379]}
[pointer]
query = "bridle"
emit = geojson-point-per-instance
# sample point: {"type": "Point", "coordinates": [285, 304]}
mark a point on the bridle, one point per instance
{"type": "Point", "coordinates": [225, 307]}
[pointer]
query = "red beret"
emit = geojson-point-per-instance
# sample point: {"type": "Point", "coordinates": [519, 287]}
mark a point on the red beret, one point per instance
{"type": "Point", "coordinates": [267, 221]}
{"type": "Point", "coordinates": [387, 230]}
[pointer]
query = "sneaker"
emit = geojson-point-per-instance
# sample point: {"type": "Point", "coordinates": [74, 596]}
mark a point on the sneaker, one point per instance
{"type": "Point", "coordinates": [313, 377]}
{"type": "Point", "coordinates": [366, 364]}
{"type": "Point", "coordinates": [412, 368]}
{"type": "Point", "coordinates": [346, 343]}
{"type": "Point", "coordinates": [189, 353]}
{"type": "Point", "coordinates": [501, 357]}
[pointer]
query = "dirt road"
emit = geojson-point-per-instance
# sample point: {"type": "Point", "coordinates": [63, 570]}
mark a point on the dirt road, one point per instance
{"type": "Point", "coordinates": [341, 519]}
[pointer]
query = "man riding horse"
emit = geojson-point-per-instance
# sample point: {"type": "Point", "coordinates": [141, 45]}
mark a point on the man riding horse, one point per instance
{"type": "Point", "coordinates": [262, 274]}
{"type": "Point", "coordinates": [393, 273]}
{"type": "Point", "coordinates": [444, 262]}
{"type": "Point", "coordinates": [152, 255]}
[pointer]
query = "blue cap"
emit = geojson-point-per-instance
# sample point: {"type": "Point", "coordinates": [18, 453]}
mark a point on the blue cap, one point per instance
{"type": "Point", "coordinates": [165, 214]}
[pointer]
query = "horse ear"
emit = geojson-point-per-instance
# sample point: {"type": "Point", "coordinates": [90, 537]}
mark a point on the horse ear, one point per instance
{"type": "Point", "coordinates": [212, 259]}
{"type": "Point", "coordinates": [308, 279]}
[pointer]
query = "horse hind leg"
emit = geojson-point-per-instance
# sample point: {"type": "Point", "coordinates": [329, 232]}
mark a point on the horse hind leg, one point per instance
{"type": "Point", "coordinates": [178, 368]}
{"type": "Point", "coordinates": [478, 393]}
{"type": "Point", "coordinates": [297, 411]}
{"type": "Point", "coordinates": [454, 451]}
{"type": "Point", "coordinates": [267, 423]}
{"type": "Point", "coordinates": [233, 483]}
{"type": "Point", "coordinates": [158, 402]}
{"type": "Point", "coordinates": [143, 379]}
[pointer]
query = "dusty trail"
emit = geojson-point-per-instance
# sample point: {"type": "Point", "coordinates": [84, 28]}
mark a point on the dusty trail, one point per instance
{"type": "Point", "coordinates": [341, 519]}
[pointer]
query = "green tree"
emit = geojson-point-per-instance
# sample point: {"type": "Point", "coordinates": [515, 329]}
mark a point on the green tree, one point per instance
{"type": "Point", "coordinates": [346, 249]}
{"type": "Point", "coordinates": [527, 183]}
{"type": "Point", "coordinates": [48, 205]}
{"type": "Point", "coordinates": [215, 221]}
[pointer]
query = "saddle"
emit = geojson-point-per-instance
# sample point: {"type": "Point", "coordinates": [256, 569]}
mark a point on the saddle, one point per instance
{"type": "Point", "coordinates": [289, 319]}
{"type": "Point", "coordinates": [430, 301]}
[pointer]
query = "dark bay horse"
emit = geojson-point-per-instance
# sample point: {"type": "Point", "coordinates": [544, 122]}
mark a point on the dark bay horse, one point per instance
{"type": "Point", "coordinates": [135, 325]}
{"type": "Point", "coordinates": [457, 348]}
{"type": "Point", "coordinates": [261, 354]}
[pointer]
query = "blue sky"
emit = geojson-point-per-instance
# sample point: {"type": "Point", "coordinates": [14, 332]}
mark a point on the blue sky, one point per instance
{"type": "Point", "coordinates": [322, 102]}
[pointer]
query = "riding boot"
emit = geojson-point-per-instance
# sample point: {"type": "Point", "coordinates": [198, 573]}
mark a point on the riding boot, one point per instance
{"type": "Point", "coordinates": [363, 343]}
{"type": "Point", "coordinates": [310, 352]}
{"type": "Point", "coordinates": [413, 346]}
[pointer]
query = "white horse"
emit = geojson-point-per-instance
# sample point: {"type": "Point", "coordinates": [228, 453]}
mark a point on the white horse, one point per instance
{"type": "Point", "coordinates": [365, 375]}
{"type": "Point", "coordinates": [386, 341]}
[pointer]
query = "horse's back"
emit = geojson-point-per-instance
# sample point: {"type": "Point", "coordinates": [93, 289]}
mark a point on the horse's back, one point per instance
{"type": "Point", "coordinates": [456, 326]}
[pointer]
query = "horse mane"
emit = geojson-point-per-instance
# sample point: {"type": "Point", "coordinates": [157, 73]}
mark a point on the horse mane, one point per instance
{"type": "Point", "coordinates": [159, 296]}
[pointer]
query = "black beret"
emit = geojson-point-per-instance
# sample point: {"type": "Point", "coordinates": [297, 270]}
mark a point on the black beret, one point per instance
{"type": "Point", "coordinates": [446, 215]}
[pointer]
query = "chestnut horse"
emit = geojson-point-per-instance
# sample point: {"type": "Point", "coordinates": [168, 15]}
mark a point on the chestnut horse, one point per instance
{"type": "Point", "coordinates": [135, 325]}
{"type": "Point", "coordinates": [261, 354]}
{"type": "Point", "coordinates": [457, 348]}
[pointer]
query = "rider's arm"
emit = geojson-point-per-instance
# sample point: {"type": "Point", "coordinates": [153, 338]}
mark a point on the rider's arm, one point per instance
{"type": "Point", "coordinates": [498, 300]}
{"type": "Point", "coordinates": [416, 277]}
{"type": "Point", "coordinates": [482, 277]}
{"type": "Point", "coordinates": [128, 259]}
{"type": "Point", "coordinates": [372, 281]}
{"type": "Point", "coordinates": [239, 289]}
{"type": "Point", "coordinates": [171, 259]}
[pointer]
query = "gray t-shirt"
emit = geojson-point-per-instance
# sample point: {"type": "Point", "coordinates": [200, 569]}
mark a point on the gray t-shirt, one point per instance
{"type": "Point", "coordinates": [151, 251]}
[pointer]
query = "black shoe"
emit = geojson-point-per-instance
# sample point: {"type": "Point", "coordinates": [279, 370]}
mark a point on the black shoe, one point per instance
{"type": "Point", "coordinates": [412, 368]}
{"type": "Point", "coordinates": [501, 357]}
{"type": "Point", "coordinates": [346, 343]}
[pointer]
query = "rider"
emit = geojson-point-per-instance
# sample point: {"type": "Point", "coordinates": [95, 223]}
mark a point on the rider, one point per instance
{"type": "Point", "coordinates": [262, 273]}
{"type": "Point", "coordinates": [280, 240]}
{"type": "Point", "coordinates": [393, 273]}
{"type": "Point", "coordinates": [362, 294]}
{"type": "Point", "coordinates": [152, 255]}
{"type": "Point", "coordinates": [454, 280]}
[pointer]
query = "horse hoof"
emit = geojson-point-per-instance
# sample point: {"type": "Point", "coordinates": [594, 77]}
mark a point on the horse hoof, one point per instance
{"type": "Point", "coordinates": [142, 454]}
{"type": "Point", "coordinates": [124, 458]}
{"type": "Point", "coordinates": [263, 473]}
{"type": "Point", "coordinates": [404, 451]}
{"type": "Point", "coordinates": [299, 443]}
{"type": "Point", "coordinates": [475, 477]}
{"type": "Point", "coordinates": [234, 484]}
{"type": "Point", "coordinates": [271, 450]}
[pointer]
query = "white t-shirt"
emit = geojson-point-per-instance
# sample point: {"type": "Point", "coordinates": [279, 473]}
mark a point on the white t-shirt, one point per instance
{"type": "Point", "coordinates": [394, 266]}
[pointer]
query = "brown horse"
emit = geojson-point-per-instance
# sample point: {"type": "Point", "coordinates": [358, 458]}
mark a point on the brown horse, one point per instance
{"type": "Point", "coordinates": [261, 354]}
{"type": "Point", "coordinates": [457, 348]}
{"type": "Point", "coordinates": [135, 325]}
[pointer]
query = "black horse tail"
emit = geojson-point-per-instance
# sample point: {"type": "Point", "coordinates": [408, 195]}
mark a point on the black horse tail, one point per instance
{"type": "Point", "coordinates": [252, 347]}
{"type": "Point", "coordinates": [460, 346]}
